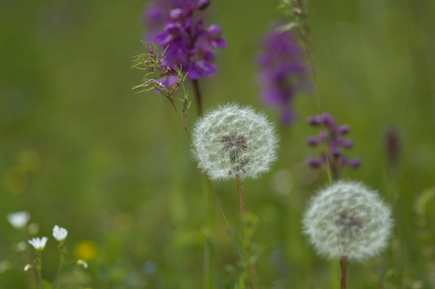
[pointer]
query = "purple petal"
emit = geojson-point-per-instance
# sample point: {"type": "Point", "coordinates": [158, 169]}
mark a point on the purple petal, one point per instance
{"type": "Point", "coordinates": [214, 31]}
{"type": "Point", "coordinates": [312, 162]}
{"type": "Point", "coordinates": [327, 119]}
{"type": "Point", "coordinates": [313, 141]}
{"type": "Point", "coordinates": [175, 14]}
{"type": "Point", "coordinates": [313, 120]}
{"type": "Point", "coordinates": [202, 4]}
{"type": "Point", "coordinates": [354, 163]}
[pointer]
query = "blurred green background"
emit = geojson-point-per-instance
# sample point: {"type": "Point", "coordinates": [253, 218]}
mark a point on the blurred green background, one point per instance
{"type": "Point", "coordinates": [80, 149]}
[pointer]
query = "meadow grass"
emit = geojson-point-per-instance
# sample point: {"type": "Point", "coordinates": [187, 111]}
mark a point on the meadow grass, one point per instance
{"type": "Point", "coordinates": [79, 149]}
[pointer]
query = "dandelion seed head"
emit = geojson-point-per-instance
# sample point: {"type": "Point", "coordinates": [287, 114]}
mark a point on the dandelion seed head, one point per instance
{"type": "Point", "coordinates": [234, 140]}
{"type": "Point", "coordinates": [347, 219]}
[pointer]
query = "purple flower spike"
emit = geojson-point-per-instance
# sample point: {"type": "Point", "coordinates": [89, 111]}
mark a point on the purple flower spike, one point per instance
{"type": "Point", "coordinates": [214, 37]}
{"type": "Point", "coordinates": [283, 71]}
{"type": "Point", "coordinates": [392, 147]}
{"type": "Point", "coordinates": [189, 44]}
{"type": "Point", "coordinates": [332, 135]}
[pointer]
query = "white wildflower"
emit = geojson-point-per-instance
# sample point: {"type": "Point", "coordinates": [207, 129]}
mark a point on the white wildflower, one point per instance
{"type": "Point", "coordinates": [59, 233]}
{"type": "Point", "coordinates": [21, 246]}
{"type": "Point", "coordinates": [4, 266]}
{"type": "Point", "coordinates": [38, 243]}
{"type": "Point", "coordinates": [234, 141]}
{"type": "Point", "coordinates": [33, 228]}
{"type": "Point", "coordinates": [18, 220]}
{"type": "Point", "coordinates": [82, 263]}
{"type": "Point", "coordinates": [28, 267]}
{"type": "Point", "coordinates": [347, 219]}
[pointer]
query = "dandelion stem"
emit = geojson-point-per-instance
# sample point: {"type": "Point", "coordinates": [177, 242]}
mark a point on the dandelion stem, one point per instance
{"type": "Point", "coordinates": [343, 267]}
{"type": "Point", "coordinates": [243, 214]}
{"type": "Point", "coordinates": [198, 95]}
{"type": "Point", "coordinates": [241, 199]}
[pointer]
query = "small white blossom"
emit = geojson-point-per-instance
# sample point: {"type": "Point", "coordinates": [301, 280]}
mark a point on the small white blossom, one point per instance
{"type": "Point", "coordinates": [4, 266]}
{"type": "Point", "coordinates": [28, 267]}
{"type": "Point", "coordinates": [59, 233]}
{"type": "Point", "coordinates": [33, 228]}
{"type": "Point", "coordinates": [21, 246]}
{"type": "Point", "coordinates": [82, 263]}
{"type": "Point", "coordinates": [234, 141]}
{"type": "Point", "coordinates": [18, 220]}
{"type": "Point", "coordinates": [346, 219]}
{"type": "Point", "coordinates": [38, 243]}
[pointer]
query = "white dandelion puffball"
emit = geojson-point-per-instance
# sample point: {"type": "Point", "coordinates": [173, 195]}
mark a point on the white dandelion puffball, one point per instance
{"type": "Point", "coordinates": [347, 219]}
{"type": "Point", "coordinates": [234, 141]}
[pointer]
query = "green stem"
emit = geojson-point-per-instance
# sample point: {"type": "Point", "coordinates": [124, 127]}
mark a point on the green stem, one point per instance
{"type": "Point", "coordinates": [198, 95]}
{"type": "Point", "coordinates": [242, 206]}
{"type": "Point", "coordinates": [304, 36]}
{"type": "Point", "coordinates": [38, 267]}
{"type": "Point", "coordinates": [343, 267]}
{"type": "Point", "coordinates": [209, 248]}
{"type": "Point", "coordinates": [61, 264]}
{"type": "Point", "coordinates": [241, 199]}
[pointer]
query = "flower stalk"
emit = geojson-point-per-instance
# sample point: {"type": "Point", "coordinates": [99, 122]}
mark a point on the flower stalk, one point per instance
{"type": "Point", "coordinates": [198, 95]}
{"type": "Point", "coordinates": [297, 11]}
{"type": "Point", "coordinates": [62, 254]}
{"type": "Point", "coordinates": [243, 217]}
{"type": "Point", "coordinates": [343, 267]}
{"type": "Point", "coordinates": [241, 199]}
{"type": "Point", "coordinates": [38, 268]}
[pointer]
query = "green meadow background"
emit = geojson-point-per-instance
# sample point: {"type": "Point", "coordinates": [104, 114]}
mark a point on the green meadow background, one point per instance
{"type": "Point", "coordinates": [80, 149]}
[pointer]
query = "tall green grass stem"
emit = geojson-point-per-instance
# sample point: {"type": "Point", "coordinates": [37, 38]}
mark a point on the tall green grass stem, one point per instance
{"type": "Point", "coordinates": [209, 246]}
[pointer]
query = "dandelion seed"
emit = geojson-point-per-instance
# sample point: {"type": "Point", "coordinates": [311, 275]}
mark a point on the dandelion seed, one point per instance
{"type": "Point", "coordinates": [59, 233]}
{"type": "Point", "coordinates": [18, 220]}
{"type": "Point", "coordinates": [234, 141]}
{"type": "Point", "coordinates": [348, 220]}
{"type": "Point", "coordinates": [38, 243]}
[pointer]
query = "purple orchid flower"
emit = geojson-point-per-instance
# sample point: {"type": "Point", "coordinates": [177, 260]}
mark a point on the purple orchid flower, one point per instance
{"type": "Point", "coordinates": [188, 42]}
{"type": "Point", "coordinates": [283, 71]}
{"type": "Point", "coordinates": [333, 135]}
